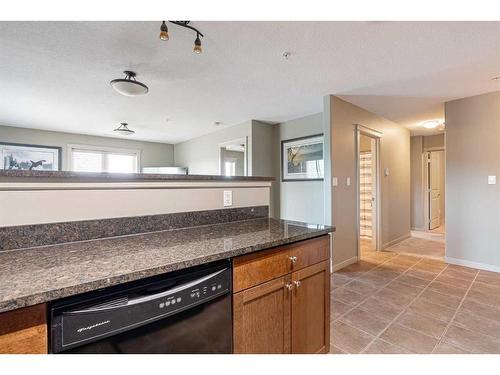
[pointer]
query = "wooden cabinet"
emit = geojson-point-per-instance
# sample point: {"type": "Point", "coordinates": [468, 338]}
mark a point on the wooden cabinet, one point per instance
{"type": "Point", "coordinates": [311, 309]}
{"type": "Point", "coordinates": [24, 331]}
{"type": "Point", "coordinates": [281, 302]}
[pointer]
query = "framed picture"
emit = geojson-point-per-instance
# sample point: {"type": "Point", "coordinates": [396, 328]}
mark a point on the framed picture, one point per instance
{"type": "Point", "coordinates": [302, 159]}
{"type": "Point", "coordinates": [30, 157]}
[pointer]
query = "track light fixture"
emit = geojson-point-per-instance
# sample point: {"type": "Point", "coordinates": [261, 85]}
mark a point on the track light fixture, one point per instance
{"type": "Point", "coordinates": [197, 42]}
{"type": "Point", "coordinates": [164, 31]}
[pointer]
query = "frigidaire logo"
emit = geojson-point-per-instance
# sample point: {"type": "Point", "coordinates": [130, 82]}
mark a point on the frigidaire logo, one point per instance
{"type": "Point", "coordinates": [92, 326]}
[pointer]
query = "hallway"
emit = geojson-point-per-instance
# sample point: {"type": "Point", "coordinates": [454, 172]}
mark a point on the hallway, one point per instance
{"type": "Point", "coordinates": [392, 302]}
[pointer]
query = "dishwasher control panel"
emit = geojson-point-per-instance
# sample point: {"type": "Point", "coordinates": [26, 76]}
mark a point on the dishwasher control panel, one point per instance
{"type": "Point", "coordinates": [86, 322]}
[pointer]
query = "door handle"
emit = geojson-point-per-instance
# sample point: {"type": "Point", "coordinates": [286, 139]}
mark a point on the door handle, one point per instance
{"type": "Point", "coordinates": [289, 286]}
{"type": "Point", "coordinates": [297, 283]}
{"type": "Point", "coordinates": [293, 259]}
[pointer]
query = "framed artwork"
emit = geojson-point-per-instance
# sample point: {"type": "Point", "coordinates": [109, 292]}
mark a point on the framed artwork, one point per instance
{"type": "Point", "coordinates": [30, 157]}
{"type": "Point", "coordinates": [302, 159]}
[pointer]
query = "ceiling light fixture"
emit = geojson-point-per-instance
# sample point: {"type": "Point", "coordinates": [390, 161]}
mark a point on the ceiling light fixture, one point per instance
{"type": "Point", "coordinates": [123, 129]}
{"type": "Point", "coordinates": [431, 124]}
{"type": "Point", "coordinates": [197, 42]}
{"type": "Point", "coordinates": [129, 86]}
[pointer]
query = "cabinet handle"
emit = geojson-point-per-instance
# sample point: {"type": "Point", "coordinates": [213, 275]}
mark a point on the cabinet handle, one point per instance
{"type": "Point", "coordinates": [297, 283]}
{"type": "Point", "coordinates": [289, 286]}
{"type": "Point", "coordinates": [293, 259]}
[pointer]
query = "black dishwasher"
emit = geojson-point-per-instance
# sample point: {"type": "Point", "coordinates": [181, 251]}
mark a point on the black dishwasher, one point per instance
{"type": "Point", "coordinates": [186, 311]}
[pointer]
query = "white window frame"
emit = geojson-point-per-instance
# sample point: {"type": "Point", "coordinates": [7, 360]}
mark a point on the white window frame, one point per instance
{"type": "Point", "coordinates": [106, 150]}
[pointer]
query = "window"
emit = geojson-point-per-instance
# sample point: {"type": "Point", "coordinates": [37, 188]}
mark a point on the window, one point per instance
{"type": "Point", "coordinates": [85, 158]}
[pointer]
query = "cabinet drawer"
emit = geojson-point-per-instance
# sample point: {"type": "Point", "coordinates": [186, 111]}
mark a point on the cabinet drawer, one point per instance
{"type": "Point", "coordinates": [257, 268]}
{"type": "Point", "coordinates": [309, 252]}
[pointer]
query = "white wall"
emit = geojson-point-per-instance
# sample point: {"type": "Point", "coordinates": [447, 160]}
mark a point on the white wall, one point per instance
{"type": "Point", "coordinates": [395, 188]}
{"type": "Point", "coordinates": [152, 154]}
{"type": "Point", "coordinates": [473, 206]}
{"type": "Point", "coordinates": [300, 200]}
{"type": "Point", "coordinates": [201, 154]}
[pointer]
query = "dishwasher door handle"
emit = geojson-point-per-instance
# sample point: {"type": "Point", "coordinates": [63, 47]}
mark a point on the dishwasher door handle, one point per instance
{"type": "Point", "coordinates": [144, 299]}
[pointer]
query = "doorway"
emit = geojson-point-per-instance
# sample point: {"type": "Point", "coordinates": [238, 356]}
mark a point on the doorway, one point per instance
{"type": "Point", "coordinates": [368, 181]}
{"type": "Point", "coordinates": [434, 172]}
{"type": "Point", "coordinates": [233, 158]}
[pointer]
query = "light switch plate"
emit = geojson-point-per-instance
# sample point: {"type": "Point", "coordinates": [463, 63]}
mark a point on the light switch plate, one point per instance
{"type": "Point", "coordinates": [228, 198]}
{"type": "Point", "coordinates": [386, 172]}
{"type": "Point", "coordinates": [492, 180]}
{"type": "Point", "coordinates": [335, 181]}
{"type": "Point", "coordinates": [348, 181]}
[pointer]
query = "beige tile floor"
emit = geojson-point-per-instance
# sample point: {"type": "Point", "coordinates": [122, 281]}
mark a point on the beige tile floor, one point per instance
{"type": "Point", "coordinates": [391, 302]}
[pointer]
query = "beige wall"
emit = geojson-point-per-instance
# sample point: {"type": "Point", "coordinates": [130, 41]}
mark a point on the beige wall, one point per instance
{"type": "Point", "coordinates": [417, 183]}
{"type": "Point", "coordinates": [473, 206]}
{"type": "Point", "coordinates": [33, 203]}
{"type": "Point", "coordinates": [395, 188]}
{"type": "Point", "coordinates": [152, 154]}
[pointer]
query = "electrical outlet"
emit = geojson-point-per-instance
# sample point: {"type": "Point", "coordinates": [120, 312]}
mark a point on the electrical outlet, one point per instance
{"type": "Point", "coordinates": [348, 181]}
{"type": "Point", "coordinates": [228, 198]}
{"type": "Point", "coordinates": [335, 181]}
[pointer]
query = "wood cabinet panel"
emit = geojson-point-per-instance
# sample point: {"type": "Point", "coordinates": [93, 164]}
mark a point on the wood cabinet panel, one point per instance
{"type": "Point", "coordinates": [257, 268]}
{"type": "Point", "coordinates": [309, 252]}
{"type": "Point", "coordinates": [24, 331]}
{"type": "Point", "coordinates": [311, 309]}
{"type": "Point", "coordinates": [262, 318]}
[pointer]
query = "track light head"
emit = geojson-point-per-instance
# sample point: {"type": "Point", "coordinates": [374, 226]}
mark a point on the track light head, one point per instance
{"type": "Point", "coordinates": [197, 45]}
{"type": "Point", "coordinates": [164, 32]}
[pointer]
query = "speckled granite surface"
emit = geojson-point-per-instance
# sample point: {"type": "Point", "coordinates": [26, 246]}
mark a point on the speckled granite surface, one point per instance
{"type": "Point", "coordinates": [36, 275]}
{"type": "Point", "coordinates": [22, 175]}
{"type": "Point", "coordinates": [23, 236]}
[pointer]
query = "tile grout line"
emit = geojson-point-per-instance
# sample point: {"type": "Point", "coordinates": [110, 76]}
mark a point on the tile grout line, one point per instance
{"type": "Point", "coordinates": [405, 308]}
{"type": "Point", "coordinates": [376, 291]}
{"type": "Point", "coordinates": [455, 314]}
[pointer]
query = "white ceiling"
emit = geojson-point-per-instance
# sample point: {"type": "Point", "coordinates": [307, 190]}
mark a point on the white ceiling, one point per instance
{"type": "Point", "coordinates": [55, 75]}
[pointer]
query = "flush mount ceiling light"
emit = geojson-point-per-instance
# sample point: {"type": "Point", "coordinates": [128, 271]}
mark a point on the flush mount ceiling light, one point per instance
{"type": "Point", "coordinates": [123, 129]}
{"type": "Point", "coordinates": [197, 42]}
{"type": "Point", "coordinates": [431, 124]}
{"type": "Point", "coordinates": [129, 86]}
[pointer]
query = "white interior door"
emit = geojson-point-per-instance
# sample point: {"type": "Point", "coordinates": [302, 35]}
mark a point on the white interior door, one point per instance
{"type": "Point", "coordinates": [434, 189]}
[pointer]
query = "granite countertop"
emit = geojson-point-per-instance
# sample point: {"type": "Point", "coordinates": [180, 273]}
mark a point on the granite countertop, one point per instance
{"type": "Point", "coordinates": [41, 274]}
{"type": "Point", "coordinates": [20, 175]}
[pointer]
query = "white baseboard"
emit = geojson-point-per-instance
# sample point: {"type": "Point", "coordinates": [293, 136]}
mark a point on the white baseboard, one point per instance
{"type": "Point", "coordinates": [395, 241]}
{"type": "Point", "coordinates": [419, 229]}
{"type": "Point", "coordinates": [467, 263]}
{"type": "Point", "coordinates": [345, 263]}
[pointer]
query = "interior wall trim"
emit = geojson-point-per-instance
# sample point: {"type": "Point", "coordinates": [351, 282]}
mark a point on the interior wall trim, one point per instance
{"type": "Point", "coordinates": [345, 263]}
{"type": "Point", "coordinates": [396, 241]}
{"type": "Point", "coordinates": [468, 263]}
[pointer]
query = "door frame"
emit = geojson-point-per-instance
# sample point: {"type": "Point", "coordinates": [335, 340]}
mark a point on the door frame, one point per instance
{"type": "Point", "coordinates": [425, 182]}
{"type": "Point", "coordinates": [243, 140]}
{"type": "Point", "coordinates": [377, 222]}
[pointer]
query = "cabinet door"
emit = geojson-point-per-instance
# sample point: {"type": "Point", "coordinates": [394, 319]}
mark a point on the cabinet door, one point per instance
{"type": "Point", "coordinates": [262, 318]}
{"type": "Point", "coordinates": [311, 309]}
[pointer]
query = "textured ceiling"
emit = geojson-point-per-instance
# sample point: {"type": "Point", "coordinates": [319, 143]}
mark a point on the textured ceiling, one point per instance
{"type": "Point", "coordinates": [55, 75]}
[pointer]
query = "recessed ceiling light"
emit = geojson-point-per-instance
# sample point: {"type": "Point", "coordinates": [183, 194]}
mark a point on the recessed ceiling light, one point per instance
{"type": "Point", "coordinates": [496, 79]}
{"type": "Point", "coordinates": [217, 123]}
{"type": "Point", "coordinates": [286, 55]}
{"type": "Point", "coordinates": [123, 129]}
{"type": "Point", "coordinates": [431, 124]}
{"type": "Point", "coordinates": [129, 86]}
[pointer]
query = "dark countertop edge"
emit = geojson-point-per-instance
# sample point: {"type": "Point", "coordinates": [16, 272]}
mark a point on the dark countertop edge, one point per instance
{"type": "Point", "coordinates": [123, 177]}
{"type": "Point", "coordinates": [48, 296]}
